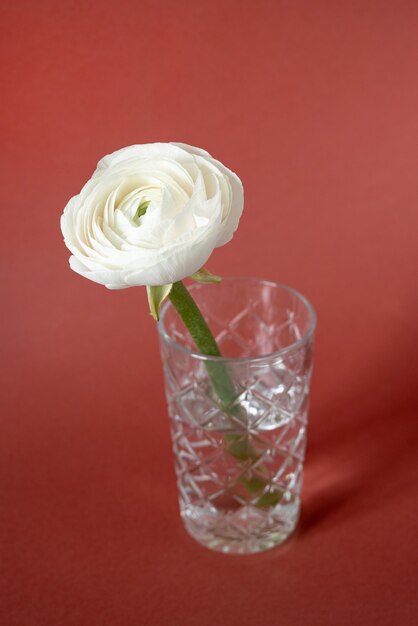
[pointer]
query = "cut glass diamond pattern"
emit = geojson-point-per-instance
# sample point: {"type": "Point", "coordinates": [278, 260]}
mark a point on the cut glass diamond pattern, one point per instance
{"type": "Point", "coordinates": [239, 473]}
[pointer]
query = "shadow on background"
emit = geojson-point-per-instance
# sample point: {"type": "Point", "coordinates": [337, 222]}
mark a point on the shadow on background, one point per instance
{"type": "Point", "coordinates": [365, 446]}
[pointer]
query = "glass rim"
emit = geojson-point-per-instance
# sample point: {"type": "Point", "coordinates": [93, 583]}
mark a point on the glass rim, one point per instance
{"type": "Point", "coordinates": [276, 353]}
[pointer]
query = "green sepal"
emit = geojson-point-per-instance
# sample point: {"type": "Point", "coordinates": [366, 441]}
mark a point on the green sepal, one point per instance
{"type": "Point", "coordinates": [204, 276]}
{"type": "Point", "coordinates": [156, 296]}
{"type": "Point", "coordinates": [142, 209]}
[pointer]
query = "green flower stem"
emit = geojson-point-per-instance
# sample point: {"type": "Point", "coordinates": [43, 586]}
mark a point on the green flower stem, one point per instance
{"type": "Point", "coordinates": [205, 342]}
{"type": "Point", "coordinates": [239, 447]}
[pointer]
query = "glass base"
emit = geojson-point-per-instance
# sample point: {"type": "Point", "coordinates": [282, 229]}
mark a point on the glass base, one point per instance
{"type": "Point", "coordinates": [245, 531]}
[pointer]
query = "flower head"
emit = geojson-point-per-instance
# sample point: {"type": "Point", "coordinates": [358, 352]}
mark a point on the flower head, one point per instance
{"type": "Point", "coordinates": [151, 214]}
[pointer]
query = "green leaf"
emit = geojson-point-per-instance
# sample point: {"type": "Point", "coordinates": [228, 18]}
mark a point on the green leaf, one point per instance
{"type": "Point", "coordinates": [142, 209]}
{"type": "Point", "coordinates": [156, 296]}
{"type": "Point", "coordinates": [204, 276]}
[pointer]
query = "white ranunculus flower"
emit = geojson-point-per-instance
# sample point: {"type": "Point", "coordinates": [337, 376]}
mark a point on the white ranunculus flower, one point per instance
{"type": "Point", "coordinates": [151, 215]}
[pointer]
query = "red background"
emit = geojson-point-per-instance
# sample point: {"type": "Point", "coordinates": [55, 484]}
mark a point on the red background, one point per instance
{"type": "Point", "coordinates": [315, 105]}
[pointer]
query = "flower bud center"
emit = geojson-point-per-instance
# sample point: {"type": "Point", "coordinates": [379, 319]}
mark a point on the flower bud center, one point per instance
{"type": "Point", "coordinates": [141, 210]}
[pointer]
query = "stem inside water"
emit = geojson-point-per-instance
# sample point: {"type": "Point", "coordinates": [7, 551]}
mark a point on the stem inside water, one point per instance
{"type": "Point", "coordinates": [238, 446]}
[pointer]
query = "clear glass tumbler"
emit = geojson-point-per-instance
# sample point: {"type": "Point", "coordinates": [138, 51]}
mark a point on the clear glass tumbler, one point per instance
{"type": "Point", "coordinates": [239, 463]}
